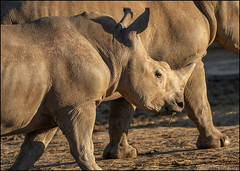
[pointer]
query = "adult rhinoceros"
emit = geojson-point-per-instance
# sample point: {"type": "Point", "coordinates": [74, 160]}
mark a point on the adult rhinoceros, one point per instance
{"type": "Point", "coordinates": [178, 33]}
{"type": "Point", "coordinates": [56, 70]}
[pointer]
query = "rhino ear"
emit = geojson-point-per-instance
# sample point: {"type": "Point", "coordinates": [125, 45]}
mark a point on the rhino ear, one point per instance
{"type": "Point", "coordinates": [141, 23]}
{"type": "Point", "coordinates": [108, 23]}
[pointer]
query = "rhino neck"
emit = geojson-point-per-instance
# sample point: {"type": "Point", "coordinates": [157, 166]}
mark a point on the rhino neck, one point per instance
{"type": "Point", "coordinates": [112, 52]}
{"type": "Point", "coordinates": [116, 60]}
{"type": "Point", "coordinates": [135, 67]}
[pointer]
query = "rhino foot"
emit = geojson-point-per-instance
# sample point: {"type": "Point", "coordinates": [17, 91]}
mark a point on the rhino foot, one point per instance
{"type": "Point", "coordinates": [215, 140]}
{"type": "Point", "coordinates": [119, 152]}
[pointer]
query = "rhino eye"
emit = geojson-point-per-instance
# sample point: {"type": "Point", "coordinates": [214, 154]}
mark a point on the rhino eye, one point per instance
{"type": "Point", "coordinates": [158, 74]}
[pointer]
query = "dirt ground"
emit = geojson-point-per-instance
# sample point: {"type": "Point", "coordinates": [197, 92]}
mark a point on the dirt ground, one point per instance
{"type": "Point", "coordinates": [160, 146]}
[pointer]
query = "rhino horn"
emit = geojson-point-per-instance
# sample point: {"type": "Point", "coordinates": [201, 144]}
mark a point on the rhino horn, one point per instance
{"type": "Point", "coordinates": [141, 23]}
{"type": "Point", "coordinates": [128, 15]}
{"type": "Point", "coordinates": [185, 72]}
{"type": "Point", "coordinates": [124, 21]}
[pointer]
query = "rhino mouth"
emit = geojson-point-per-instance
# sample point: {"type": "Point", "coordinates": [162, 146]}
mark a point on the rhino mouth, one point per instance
{"type": "Point", "coordinates": [168, 110]}
{"type": "Point", "coordinates": [164, 110]}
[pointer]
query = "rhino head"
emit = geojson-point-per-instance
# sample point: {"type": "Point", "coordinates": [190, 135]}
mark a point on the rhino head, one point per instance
{"type": "Point", "coordinates": [148, 84]}
{"type": "Point", "coordinates": [155, 87]}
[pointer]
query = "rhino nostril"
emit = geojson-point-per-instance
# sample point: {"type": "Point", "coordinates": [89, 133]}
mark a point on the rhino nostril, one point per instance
{"type": "Point", "coordinates": [180, 104]}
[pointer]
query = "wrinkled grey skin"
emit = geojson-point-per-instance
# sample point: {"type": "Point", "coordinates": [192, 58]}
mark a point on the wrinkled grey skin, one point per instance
{"type": "Point", "coordinates": [178, 33]}
{"type": "Point", "coordinates": [55, 71]}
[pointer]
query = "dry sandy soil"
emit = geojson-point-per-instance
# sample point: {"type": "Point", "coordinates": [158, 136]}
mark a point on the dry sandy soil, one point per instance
{"type": "Point", "coordinates": [160, 146]}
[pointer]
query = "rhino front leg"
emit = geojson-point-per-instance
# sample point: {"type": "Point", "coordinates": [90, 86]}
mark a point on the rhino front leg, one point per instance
{"type": "Point", "coordinates": [199, 111]}
{"type": "Point", "coordinates": [32, 149]}
{"type": "Point", "coordinates": [77, 125]}
{"type": "Point", "coordinates": [119, 122]}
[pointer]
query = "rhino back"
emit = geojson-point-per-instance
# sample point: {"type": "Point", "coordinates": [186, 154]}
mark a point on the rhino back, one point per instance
{"type": "Point", "coordinates": [13, 12]}
{"type": "Point", "coordinates": [178, 33]}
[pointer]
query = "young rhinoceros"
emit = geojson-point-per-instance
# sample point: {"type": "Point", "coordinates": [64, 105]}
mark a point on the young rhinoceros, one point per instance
{"type": "Point", "coordinates": [56, 70]}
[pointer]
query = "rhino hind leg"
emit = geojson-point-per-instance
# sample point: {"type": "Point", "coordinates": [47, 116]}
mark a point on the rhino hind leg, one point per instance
{"type": "Point", "coordinates": [119, 123]}
{"type": "Point", "coordinates": [77, 125]}
{"type": "Point", "coordinates": [199, 111]}
{"type": "Point", "coordinates": [32, 149]}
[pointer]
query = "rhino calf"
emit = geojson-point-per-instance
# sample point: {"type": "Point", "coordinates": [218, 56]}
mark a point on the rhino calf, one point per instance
{"type": "Point", "coordinates": [56, 70]}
